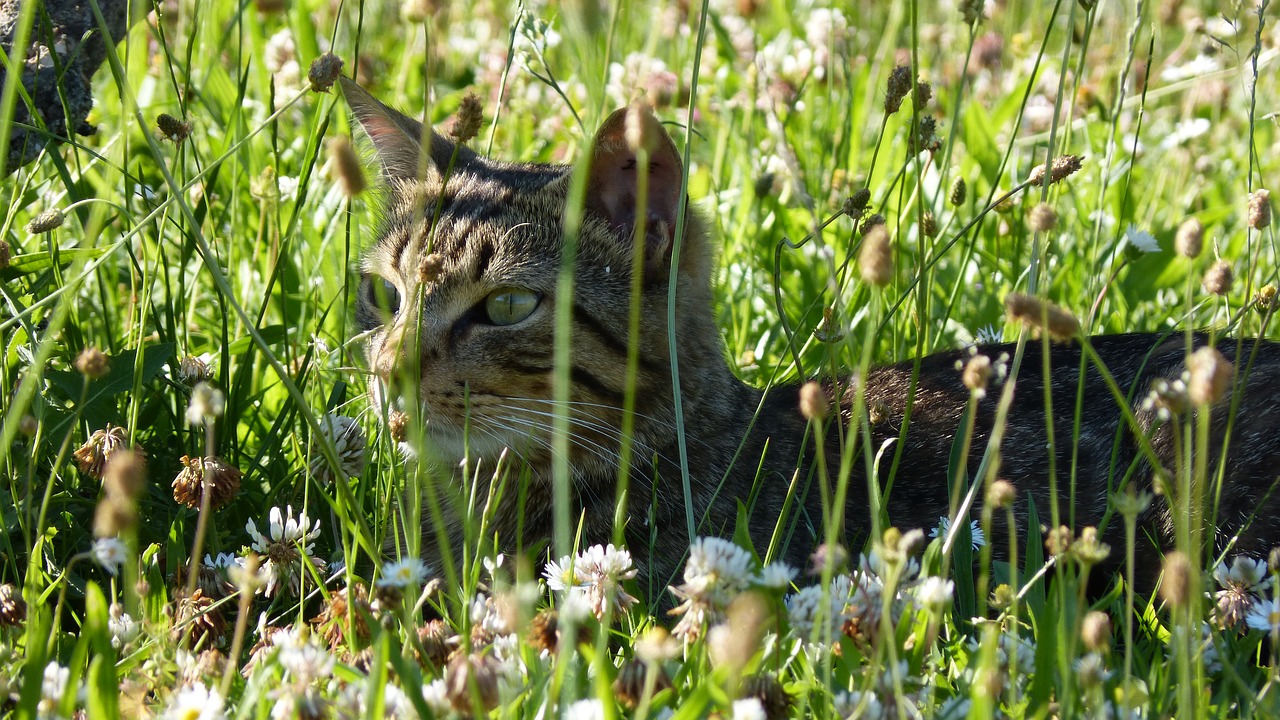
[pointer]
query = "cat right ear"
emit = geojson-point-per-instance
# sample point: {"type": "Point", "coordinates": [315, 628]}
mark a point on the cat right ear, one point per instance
{"type": "Point", "coordinates": [397, 138]}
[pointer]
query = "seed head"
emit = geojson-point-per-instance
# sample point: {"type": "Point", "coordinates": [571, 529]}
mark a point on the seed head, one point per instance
{"type": "Point", "coordinates": [207, 404]}
{"type": "Point", "coordinates": [398, 425]}
{"type": "Point", "coordinates": [1063, 167]}
{"type": "Point", "coordinates": [1059, 540]}
{"type": "Point", "coordinates": [47, 221]}
{"type": "Point", "coordinates": [114, 515]}
{"type": "Point", "coordinates": [922, 95]}
{"type": "Point", "coordinates": [1176, 586]}
{"type": "Point", "coordinates": [102, 445]}
{"type": "Point", "coordinates": [1043, 218]}
{"type": "Point", "coordinates": [876, 256]}
{"type": "Point", "coordinates": [1088, 549]}
{"type": "Point", "coordinates": [193, 370]}
{"type": "Point", "coordinates": [1002, 597]}
{"type": "Point", "coordinates": [125, 474]}
{"type": "Point", "coordinates": [430, 267]}
{"type": "Point", "coordinates": [1265, 301]}
{"type": "Point", "coordinates": [92, 363]}
{"type": "Point", "coordinates": [1041, 315]}
{"type": "Point", "coordinates": [958, 192]}
{"type": "Point", "coordinates": [1259, 209]}
{"type": "Point", "coordinates": [813, 402]}
{"type": "Point", "coordinates": [173, 129]}
{"type": "Point", "coordinates": [1209, 378]}
{"type": "Point", "coordinates": [1190, 238]}
{"type": "Point", "coordinates": [977, 373]}
{"type": "Point", "coordinates": [971, 11]}
{"type": "Point", "coordinates": [221, 477]}
{"type": "Point", "coordinates": [898, 87]}
{"type": "Point", "coordinates": [471, 678]}
{"type": "Point", "coordinates": [871, 222]}
{"type": "Point", "coordinates": [13, 609]}
{"type": "Point", "coordinates": [1096, 631]}
{"type": "Point", "coordinates": [856, 204]}
{"type": "Point", "coordinates": [346, 166]}
{"type": "Point", "coordinates": [928, 224]}
{"type": "Point", "coordinates": [1273, 561]}
{"type": "Point", "coordinates": [466, 124]}
{"type": "Point", "coordinates": [1218, 278]}
{"type": "Point", "coordinates": [1001, 494]}
{"type": "Point", "coordinates": [324, 72]}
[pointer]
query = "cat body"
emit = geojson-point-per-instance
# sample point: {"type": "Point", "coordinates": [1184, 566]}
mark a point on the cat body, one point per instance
{"type": "Point", "coordinates": [459, 298]}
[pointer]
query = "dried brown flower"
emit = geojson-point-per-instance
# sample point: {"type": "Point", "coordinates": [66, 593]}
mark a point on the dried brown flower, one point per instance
{"type": "Point", "coordinates": [324, 72]}
{"type": "Point", "coordinates": [92, 363]}
{"type": "Point", "coordinates": [346, 166]}
{"type": "Point", "coordinates": [1175, 589]}
{"type": "Point", "coordinates": [897, 88]}
{"type": "Point", "coordinates": [1001, 494]}
{"type": "Point", "coordinates": [1063, 167]}
{"type": "Point", "coordinates": [438, 642]}
{"type": "Point", "coordinates": [876, 257]}
{"type": "Point", "coordinates": [1042, 315]}
{"type": "Point", "coordinates": [471, 682]}
{"type": "Point", "coordinates": [92, 456]}
{"type": "Point", "coordinates": [197, 622]}
{"type": "Point", "coordinates": [331, 623]}
{"type": "Point", "coordinates": [1219, 278]}
{"type": "Point", "coordinates": [13, 609]}
{"type": "Point", "coordinates": [1259, 209]}
{"type": "Point", "coordinates": [1209, 376]}
{"type": "Point", "coordinates": [1043, 218]}
{"type": "Point", "coordinates": [173, 129]}
{"type": "Point", "coordinates": [466, 124]}
{"type": "Point", "coordinates": [1189, 240]}
{"type": "Point", "coordinates": [958, 192]}
{"type": "Point", "coordinates": [813, 401]}
{"type": "Point", "coordinates": [398, 425]}
{"type": "Point", "coordinates": [222, 478]}
{"type": "Point", "coordinates": [47, 221]}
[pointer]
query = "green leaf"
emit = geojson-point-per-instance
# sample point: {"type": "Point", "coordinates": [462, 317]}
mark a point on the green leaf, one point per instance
{"type": "Point", "coordinates": [98, 407]}
{"type": "Point", "coordinates": [272, 334]}
{"type": "Point", "coordinates": [29, 263]}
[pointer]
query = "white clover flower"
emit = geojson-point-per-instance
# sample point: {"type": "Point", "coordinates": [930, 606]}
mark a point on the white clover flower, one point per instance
{"type": "Point", "coordinates": [123, 628]}
{"type": "Point", "coordinates": [575, 606]}
{"type": "Point", "coordinates": [304, 659]}
{"type": "Point", "coordinates": [53, 685]}
{"type": "Point", "coordinates": [749, 709]}
{"type": "Point", "coordinates": [716, 572]}
{"type": "Point", "coordinates": [401, 574]}
{"type": "Point", "coordinates": [195, 702]}
{"type": "Point", "coordinates": [605, 568]}
{"type": "Point", "coordinates": [776, 575]}
{"type": "Point", "coordinates": [207, 404]}
{"type": "Point", "coordinates": [110, 553]}
{"type": "Point", "coordinates": [348, 441]}
{"type": "Point", "coordinates": [280, 546]}
{"type": "Point", "coordinates": [819, 604]}
{"type": "Point", "coordinates": [436, 695]}
{"type": "Point", "coordinates": [944, 526]}
{"type": "Point", "coordinates": [1091, 670]}
{"type": "Point", "coordinates": [585, 710]}
{"type": "Point", "coordinates": [934, 592]}
{"type": "Point", "coordinates": [1141, 240]}
{"type": "Point", "coordinates": [1245, 573]}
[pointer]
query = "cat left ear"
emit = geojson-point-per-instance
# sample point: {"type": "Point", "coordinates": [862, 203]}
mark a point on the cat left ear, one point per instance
{"type": "Point", "coordinates": [612, 190]}
{"type": "Point", "coordinates": [398, 138]}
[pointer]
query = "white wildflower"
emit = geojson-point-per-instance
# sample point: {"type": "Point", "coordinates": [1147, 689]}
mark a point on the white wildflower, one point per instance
{"type": "Point", "coordinates": [1141, 240]}
{"type": "Point", "coordinates": [53, 686]}
{"type": "Point", "coordinates": [1239, 583]}
{"type": "Point", "coordinates": [195, 702]}
{"type": "Point", "coordinates": [436, 696]}
{"type": "Point", "coordinates": [934, 592]}
{"type": "Point", "coordinates": [123, 628]}
{"type": "Point", "coordinates": [280, 546]}
{"type": "Point", "coordinates": [303, 658]}
{"type": "Point", "coordinates": [749, 709]}
{"type": "Point", "coordinates": [1264, 616]}
{"type": "Point", "coordinates": [402, 574]}
{"type": "Point", "coordinates": [207, 404]}
{"type": "Point", "coordinates": [110, 553]}
{"type": "Point", "coordinates": [820, 607]}
{"type": "Point", "coordinates": [1091, 670]}
{"type": "Point", "coordinates": [944, 526]}
{"type": "Point", "coordinates": [776, 575]}
{"type": "Point", "coordinates": [585, 710]}
{"type": "Point", "coordinates": [605, 568]}
{"type": "Point", "coordinates": [716, 572]}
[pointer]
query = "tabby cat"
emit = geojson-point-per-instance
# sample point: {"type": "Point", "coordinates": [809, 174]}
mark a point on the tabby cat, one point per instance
{"type": "Point", "coordinates": [480, 308]}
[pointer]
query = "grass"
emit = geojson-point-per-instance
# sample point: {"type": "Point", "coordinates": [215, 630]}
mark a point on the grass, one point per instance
{"type": "Point", "coordinates": [238, 246]}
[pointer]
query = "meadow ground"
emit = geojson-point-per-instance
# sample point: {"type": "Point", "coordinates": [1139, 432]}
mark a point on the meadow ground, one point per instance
{"type": "Point", "coordinates": [202, 235]}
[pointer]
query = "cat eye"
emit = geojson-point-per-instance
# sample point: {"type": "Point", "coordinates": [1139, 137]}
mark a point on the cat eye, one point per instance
{"type": "Point", "coordinates": [382, 294]}
{"type": "Point", "coordinates": [509, 306]}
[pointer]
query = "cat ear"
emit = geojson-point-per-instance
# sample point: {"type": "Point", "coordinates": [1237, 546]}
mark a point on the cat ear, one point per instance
{"type": "Point", "coordinates": [612, 190]}
{"type": "Point", "coordinates": [397, 138]}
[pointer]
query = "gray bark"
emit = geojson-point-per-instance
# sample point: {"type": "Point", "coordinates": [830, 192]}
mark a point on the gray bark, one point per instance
{"type": "Point", "coordinates": [64, 49]}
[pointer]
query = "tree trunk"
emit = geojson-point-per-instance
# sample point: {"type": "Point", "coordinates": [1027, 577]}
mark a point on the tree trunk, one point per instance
{"type": "Point", "coordinates": [64, 49]}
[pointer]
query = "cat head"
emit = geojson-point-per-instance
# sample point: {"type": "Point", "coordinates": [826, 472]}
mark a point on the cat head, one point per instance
{"type": "Point", "coordinates": [460, 294]}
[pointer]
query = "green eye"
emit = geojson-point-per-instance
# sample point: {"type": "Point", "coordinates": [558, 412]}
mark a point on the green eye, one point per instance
{"type": "Point", "coordinates": [509, 306]}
